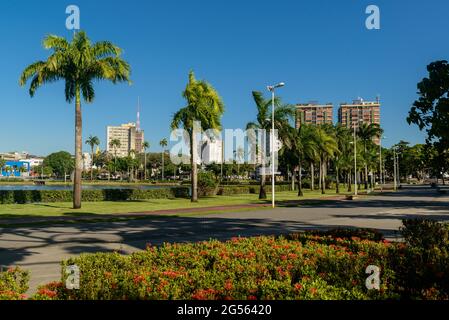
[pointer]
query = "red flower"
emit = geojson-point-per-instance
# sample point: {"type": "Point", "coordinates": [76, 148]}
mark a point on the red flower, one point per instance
{"type": "Point", "coordinates": [46, 292]}
{"type": "Point", "coordinates": [252, 298]}
{"type": "Point", "coordinates": [313, 291]}
{"type": "Point", "coordinates": [228, 285]}
{"type": "Point", "coordinates": [298, 286]}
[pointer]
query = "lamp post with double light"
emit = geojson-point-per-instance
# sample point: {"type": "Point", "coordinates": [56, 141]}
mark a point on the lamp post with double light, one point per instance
{"type": "Point", "coordinates": [272, 89]}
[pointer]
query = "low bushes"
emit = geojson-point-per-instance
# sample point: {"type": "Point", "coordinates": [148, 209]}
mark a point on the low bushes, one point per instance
{"type": "Point", "coordinates": [13, 284]}
{"type": "Point", "coordinates": [313, 265]}
{"type": "Point", "coordinates": [249, 189]}
{"type": "Point", "coordinates": [34, 196]}
{"type": "Point", "coordinates": [207, 184]}
{"type": "Point", "coordinates": [309, 267]}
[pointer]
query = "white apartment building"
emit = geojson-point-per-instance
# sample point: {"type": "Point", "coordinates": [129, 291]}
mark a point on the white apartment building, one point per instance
{"type": "Point", "coordinates": [130, 139]}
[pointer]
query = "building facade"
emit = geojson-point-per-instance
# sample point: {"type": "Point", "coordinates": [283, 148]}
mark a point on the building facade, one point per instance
{"type": "Point", "coordinates": [314, 113]}
{"type": "Point", "coordinates": [359, 112]}
{"type": "Point", "coordinates": [128, 135]}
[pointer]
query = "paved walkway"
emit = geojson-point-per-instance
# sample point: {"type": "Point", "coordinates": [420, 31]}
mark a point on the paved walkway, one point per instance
{"type": "Point", "coordinates": [40, 249]}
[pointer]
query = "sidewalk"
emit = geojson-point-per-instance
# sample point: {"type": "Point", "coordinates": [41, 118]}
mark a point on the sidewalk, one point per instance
{"type": "Point", "coordinates": [167, 212]}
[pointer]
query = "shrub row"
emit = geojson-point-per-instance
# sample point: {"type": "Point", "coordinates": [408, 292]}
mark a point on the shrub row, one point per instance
{"type": "Point", "coordinates": [249, 189]}
{"type": "Point", "coordinates": [13, 284]}
{"type": "Point", "coordinates": [313, 265]}
{"type": "Point", "coordinates": [318, 265]}
{"type": "Point", "coordinates": [34, 196]}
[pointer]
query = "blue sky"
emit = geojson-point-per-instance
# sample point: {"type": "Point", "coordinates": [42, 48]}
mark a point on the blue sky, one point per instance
{"type": "Point", "coordinates": [321, 49]}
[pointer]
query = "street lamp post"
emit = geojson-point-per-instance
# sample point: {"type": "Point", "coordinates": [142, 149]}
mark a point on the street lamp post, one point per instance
{"type": "Point", "coordinates": [272, 90]}
{"type": "Point", "coordinates": [380, 165]}
{"type": "Point", "coordinates": [398, 169]}
{"type": "Point", "coordinates": [355, 159]}
{"type": "Point", "coordinates": [394, 169]}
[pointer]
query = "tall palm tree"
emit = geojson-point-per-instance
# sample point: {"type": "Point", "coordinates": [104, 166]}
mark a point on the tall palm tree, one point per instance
{"type": "Point", "coordinates": [367, 133]}
{"type": "Point", "coordinates": [163, 143]}
{"type": "Point", "coordinates": [344, 159]}
{"type": "Point", "coordinates": [282, 115]}
{"type": "Point", "coordinates": [327, 148]}
{"type": "Point", "coordinates": [92, 142]}
{"type": "Point", "coordinates": [114, 145]}
{"type": "Point", "coordinates": [204, 105]}
{"type": "Point", "coordinates": [145, 146]}
{"type": "Point", "coordinates": [304, 147]}
{"type": "Point", "coordinates": [78, 63]}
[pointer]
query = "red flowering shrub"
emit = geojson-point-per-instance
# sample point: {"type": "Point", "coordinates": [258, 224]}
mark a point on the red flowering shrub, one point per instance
{"type": "Point", "coordinates": [13, 284]}
{"type": "Point", "coordinates": [303, 266]}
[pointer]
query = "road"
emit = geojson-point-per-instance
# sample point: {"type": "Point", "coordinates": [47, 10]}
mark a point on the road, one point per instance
{"type": "Point", "coordinates": [41, 248]}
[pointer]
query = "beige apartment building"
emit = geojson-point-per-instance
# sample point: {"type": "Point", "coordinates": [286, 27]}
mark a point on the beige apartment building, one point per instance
{"type": "Point", "coordinates": [130, 139]}
{"type": "Point", "coordinates": [358, 112]}
{"type": "Point", "coordinates": [314, 113]}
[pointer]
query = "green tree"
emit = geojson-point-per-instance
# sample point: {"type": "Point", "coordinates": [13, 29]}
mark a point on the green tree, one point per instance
{"type": "Point", "coordinates": [2, 164]}
{"type": "Point", "coordinates": [204, 105]}
{"type": "Point", "coordinates": [430, 112]}
{"type": "Point", "coordinates": [62, 163]}
{"type": "Point", "coordinates": [145, 146]}
{"type": "Point", "coordinates": [282, 115]}
{"type": "Point", "coordinates": [367, 133]}
{"type": "Point", "coordinates": [327, 149]}
{"type": "Point", "coordinates": [79, 63]}
{"type": "Point", "coordinates": [114, 144]}
{"type": "Point", "coordinates": [163, 143]}
{"type": "Point", "coordinates": [92, 141]}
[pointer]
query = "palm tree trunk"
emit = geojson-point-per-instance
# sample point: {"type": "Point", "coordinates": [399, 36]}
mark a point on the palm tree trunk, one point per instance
{"type": "Point", "coordinates": [323, 181]}
{"type": "Point", "coordinates": [78, 153]}
{"type": "Point", "coordinates": [320, 175]}
{"type": "Point", "coordinates": [366, 171]}
{"type": "Point", "coordinates": [92, 166]}
{"type": "Point", "coordinates": [293, 179]}
{"type": "Point", "coordinates": [145, 166]}
{"type": "Point", "coordinates": [262, 192]}
{"type": "Point", "coordinates": [312, 176]}
{"type": "Point", "coordinates": [300, 193]}
{"type": "Point", "coordinates": [194, 173]}
{"type": "Point", "coordinates": [163, 165]}
{"type": "Point", "coordinates": [349, 181]}
{"type": "Point", "coordinates": [337, 181]}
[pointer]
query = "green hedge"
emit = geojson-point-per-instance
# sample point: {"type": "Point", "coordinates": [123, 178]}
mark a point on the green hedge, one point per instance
{"type": "Point", "coordinates": [35, 196]}
{"type": "Point", "coordinates": [13, 284]}
{"type": "Point", "coordinates": [249, 189]}
{"type": "Point", "coordinates": [301, 266]}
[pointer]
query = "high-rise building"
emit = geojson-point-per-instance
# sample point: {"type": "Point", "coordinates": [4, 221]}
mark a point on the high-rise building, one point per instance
{"type": "Point", "coordinates": [314, 113]}
{"type": "Point", "coordinates": [126, 134]}
{"type": "Point", "coordinates": [359, 112]}
{"type": "Point", "coordinates": [130, 135]}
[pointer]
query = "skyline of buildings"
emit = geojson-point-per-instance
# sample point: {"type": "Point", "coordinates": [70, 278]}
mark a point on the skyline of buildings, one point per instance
{"type": "Point", "coordinates": [314, 113]}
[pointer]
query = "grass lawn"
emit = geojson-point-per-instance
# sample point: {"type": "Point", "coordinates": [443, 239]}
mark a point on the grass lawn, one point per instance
{"type": "Point", "coordinates": [10, 211]}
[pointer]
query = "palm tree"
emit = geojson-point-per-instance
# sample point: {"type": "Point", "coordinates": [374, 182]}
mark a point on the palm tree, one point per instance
{"type": "Point", "coordinates": [115, 144]}
{"type": "Point", "coordinates": [163, 143]}
{"type": "Point", "coordinates": [78, 63]}
{"type": "Point", "coordinates": [304, 147]}
{"type": "Point", "coordinates": [92, 142]}
{"type": "Point", "coordinates": [204, 105]}
{"type": "Point", "coordinates": [366, 133]}
{"type": "Point", "coordinates": [145, 146]}
{"type": "Point", "coordinates": [282, 115]}
{"type": "Point", "coordinates": [327, 148]}
{"type": "Point", "coordinates": [344, 159]}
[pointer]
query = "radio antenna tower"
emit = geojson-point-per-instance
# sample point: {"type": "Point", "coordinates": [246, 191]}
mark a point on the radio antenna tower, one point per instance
{"type": "Point", "coordinates": [138, 115]}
